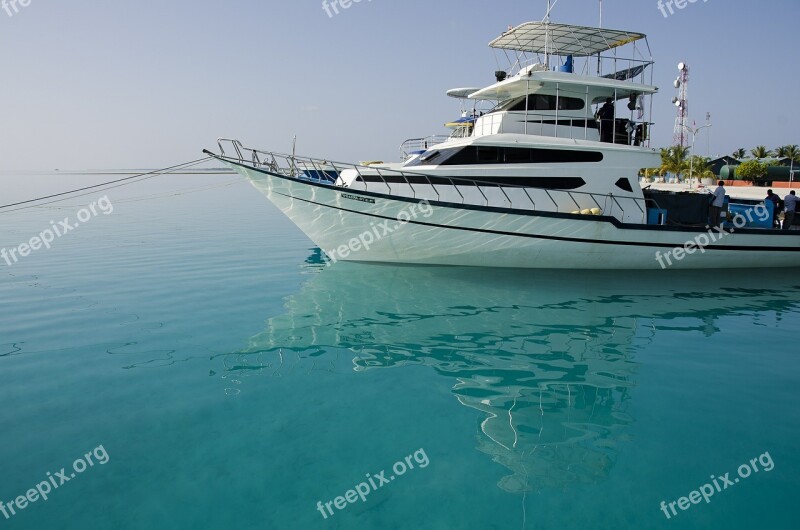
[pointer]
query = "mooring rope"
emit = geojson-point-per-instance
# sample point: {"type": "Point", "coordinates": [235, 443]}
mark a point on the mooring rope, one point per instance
{"type": "Point", "coordinates": [142, 198]}
{"type": "Point", "coordinates": [119, 183]}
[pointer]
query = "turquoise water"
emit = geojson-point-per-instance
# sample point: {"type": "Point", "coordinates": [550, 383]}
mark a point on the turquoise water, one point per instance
{"type": "Point", "coordinates": [196, 343]}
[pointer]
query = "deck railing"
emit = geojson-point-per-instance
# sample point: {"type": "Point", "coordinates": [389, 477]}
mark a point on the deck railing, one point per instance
{"type": "Point", "coordinates": [420, 144]}
{"type": "Point", "coordinates": [410, 184]}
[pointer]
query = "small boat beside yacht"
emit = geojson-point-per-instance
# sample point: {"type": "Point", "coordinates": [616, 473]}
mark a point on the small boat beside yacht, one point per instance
{"type": "Point", "coordinates": [544, 177]}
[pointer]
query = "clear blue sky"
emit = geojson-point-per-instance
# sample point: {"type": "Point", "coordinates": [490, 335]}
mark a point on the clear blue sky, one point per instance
{"type": "Point", "coordinates": [99, 84]}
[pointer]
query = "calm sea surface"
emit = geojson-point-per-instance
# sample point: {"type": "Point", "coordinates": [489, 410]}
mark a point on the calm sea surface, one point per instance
{"type": "Point", "coordinates": [191, 360]}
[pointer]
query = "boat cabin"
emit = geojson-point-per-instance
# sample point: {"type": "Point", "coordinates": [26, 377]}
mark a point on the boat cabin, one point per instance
{"type": "Point", "coordinates": [572, 82]}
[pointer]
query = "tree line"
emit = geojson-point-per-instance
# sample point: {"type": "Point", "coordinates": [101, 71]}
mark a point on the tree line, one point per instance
{"type": "Point", "coordinates": [676, 160]}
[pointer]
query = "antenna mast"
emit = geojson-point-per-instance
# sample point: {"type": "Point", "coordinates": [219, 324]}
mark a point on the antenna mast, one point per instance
{"type": "Point", "coordinates": [601, 14]}
{"type": "Point", "coordinates": [682, 102]}
{"type": "Point", "coordinates": [550, 5]}
{"type": "Point", "coordinates": [599, 59]}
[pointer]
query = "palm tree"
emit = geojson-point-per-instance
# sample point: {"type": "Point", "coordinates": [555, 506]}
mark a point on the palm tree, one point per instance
{"type": "Point", "coordinates": [739, 153]}
{"type": "Point", "coordinates": [701, 167]}
{"type": "Point", "coordinates": [673, 160]}
{"type": "Point", "coordinates": [648, 172]}
{"type": "Point", "coordinates": [792, 152]}
{"type": "Point", "coordinates": [761, 151]}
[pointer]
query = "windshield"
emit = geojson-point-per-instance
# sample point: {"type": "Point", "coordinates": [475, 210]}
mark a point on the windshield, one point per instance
{"type": "Point", "coordinates": [506, 104]}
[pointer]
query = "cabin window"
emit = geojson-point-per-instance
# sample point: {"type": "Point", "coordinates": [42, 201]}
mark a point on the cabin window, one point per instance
{"type": "Point", "coordinates": [504, 105]}
{"type": "Point", "coordinates": [548, 102]}
{"type": "Point", "coordinates": [492, 154]}
{"type": "Point", "coordinates": [624, 184]}
{"type": "Point", "coordinates": [472, 155]}
{"type": "Point", "coordinates": [430, 156]}
{"type": "Point", "coordinates": [488, 155]}
{"type": "Point", "coordinates": [518, 156]}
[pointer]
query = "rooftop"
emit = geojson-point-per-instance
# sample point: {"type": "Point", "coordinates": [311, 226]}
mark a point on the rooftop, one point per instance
{"type": "Point", "coordinates": [563, 39]}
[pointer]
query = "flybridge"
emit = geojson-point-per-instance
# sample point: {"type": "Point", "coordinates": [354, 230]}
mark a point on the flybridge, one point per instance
{"type": "Point", "coordinates": [610, 53]}
{"type": "Point", "coordinates": [565, 81]}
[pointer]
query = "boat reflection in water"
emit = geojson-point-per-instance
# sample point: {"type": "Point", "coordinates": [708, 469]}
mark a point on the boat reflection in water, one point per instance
{"type": "Point", "coordinates": [547, 357]}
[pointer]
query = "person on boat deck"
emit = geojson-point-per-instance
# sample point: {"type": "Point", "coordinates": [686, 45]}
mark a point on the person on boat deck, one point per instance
{"type": "Point", "coordinates": [790, 205]}
{"type": "Point", "coordinates": [717, 204]}
{"type": "Point", "coordinates": [606, 117]}
{"type": "Point", "coordinates": [638, 136]}
{"type": "Point", "coordinates": [776, 203]}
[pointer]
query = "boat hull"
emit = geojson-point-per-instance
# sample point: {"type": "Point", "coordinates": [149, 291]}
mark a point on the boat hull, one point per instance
{"type": "Point", "coordinates": [351, 225]}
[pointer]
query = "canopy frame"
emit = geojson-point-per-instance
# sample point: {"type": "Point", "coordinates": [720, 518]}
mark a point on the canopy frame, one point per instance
{"type": "Point", "coordinates": [563, 39]}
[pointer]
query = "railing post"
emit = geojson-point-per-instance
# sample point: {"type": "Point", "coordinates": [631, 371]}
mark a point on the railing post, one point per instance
{"type": "Point", "coordinates": [363, 180]}
{"type": "Point", "coordinates": [621, 209]}
{"type": "Point", "coordinates": [430, 182]}
{"type": "Point", "coordinates": [477, 185]}
{"type": "Point", "coordinates": [573, 200]}
{"type": "Point", "coordinates": [533, 204]}
{"type": "Point", "coordinates": [320, 170]}
{"type": "Point", "coordinates": [510, 202]}
{"type": "Point", "coordinates": [555, 132]}
{"type": "Point", "coordinates": [411, 186]}
{"type": "Point", "coordinates": [595, 200]}
{"type": "Point", "coordinates": [552, 199]}
{"type": "Point", "coordinates": [385, 183]}
{"type": "Point", "coordinates": [588, 116]}
{"type": "Point", "coordinates": [455, 187]}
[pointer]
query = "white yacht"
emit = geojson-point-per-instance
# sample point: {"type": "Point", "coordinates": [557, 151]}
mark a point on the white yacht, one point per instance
{"type": "Point", "coordinates": [545, 178]}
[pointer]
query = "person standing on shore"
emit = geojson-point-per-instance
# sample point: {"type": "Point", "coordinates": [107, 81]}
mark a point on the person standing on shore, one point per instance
{"type": "Point", "coordinates": [717, 204]}
{"type": "Point", "coordinates": [790, 204]}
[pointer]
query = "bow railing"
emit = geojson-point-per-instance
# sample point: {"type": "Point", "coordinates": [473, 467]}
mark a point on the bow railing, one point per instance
{"type": "Point", "coordinates": [421, 186]}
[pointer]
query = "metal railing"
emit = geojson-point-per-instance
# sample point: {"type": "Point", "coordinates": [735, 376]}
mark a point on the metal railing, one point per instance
{"type": "Point", "coordinates": [597, 65]}
{"type": "Point", "coordinates": [420, 144]}
{"type": "Point", "coordinates": [563, 126]}
{"type": "Point", "coordinates": [304, 168]}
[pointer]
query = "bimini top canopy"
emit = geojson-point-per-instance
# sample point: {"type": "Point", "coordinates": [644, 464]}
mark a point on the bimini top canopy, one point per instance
{"type": "Point", "coordinates": [563, 39]}
{"type": "Point", "coordinates": [461, 93]}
